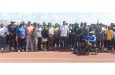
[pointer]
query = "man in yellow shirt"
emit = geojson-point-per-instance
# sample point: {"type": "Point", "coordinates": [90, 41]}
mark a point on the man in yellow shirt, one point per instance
{"type": "Point", "coordinates": [109, 33]}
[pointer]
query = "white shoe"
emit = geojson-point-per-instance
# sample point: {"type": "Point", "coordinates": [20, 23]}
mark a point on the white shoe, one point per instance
{"type": "Point", "coordinates": [72, 49]}
{"type": "Point", "coordinates": [27, 50]}
{"type": "Point", "coordinates": [18, 50]}
{"type": "Point", "coordinates": [2, 49]}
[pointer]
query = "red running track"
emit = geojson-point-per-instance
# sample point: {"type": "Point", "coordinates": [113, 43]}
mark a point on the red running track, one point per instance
{"type": "Point", "coordinates": [54, 57]}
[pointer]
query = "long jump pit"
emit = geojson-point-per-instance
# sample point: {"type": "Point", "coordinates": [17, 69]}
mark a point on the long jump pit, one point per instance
{"type": "Point", "coordinates": [54, 57]}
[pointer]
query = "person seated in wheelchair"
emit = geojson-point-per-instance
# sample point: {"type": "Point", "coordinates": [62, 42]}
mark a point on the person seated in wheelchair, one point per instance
{"type": "Point", "coordinates": [92, 40]}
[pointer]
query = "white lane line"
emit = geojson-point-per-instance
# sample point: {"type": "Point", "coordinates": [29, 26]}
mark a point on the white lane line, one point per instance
{"type": "Point", "coordinates": [52, 59]}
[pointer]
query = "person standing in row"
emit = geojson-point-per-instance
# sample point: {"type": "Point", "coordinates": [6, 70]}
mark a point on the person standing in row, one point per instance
{"type": "Point", "coordinates": [99, 35]}
{"type": "Point", "coordinates": [20, 31]}
{"type": "Point", "coordinates": [56, 36]}
{"type": "Point", "coordinates": [34, 38]}
{"type": "Point", "coordinates": [3, 38]}
{"type": "Point", "coordinates": [45, 38]}
{"type": "Point", "coordinates": [64, 29]}
{"type": "Point", "coordinates": [29, 29]}
{"type": "Point", "coordinates": [109, 33]}
{"type": "Point", "coordinates": [113, 40]}
{"type": "Point", "coordinates": [71, 37]}
{"type": "Point", "coordinates": [105, 38]}
{"type": "Point", "coordinates": [39, 35]}
{"type": "Point", "coordinates": [77, 32]}
{"type": "Point", "coordinates": [50, 36]}
{"type": "Point", "coordinates": [12, 35]}
{"type": "Point", "coordinates": [85, 30]}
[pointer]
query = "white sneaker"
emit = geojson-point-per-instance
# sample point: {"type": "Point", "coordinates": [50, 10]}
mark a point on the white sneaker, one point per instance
{"type": "Point", "coordinates": [18, 50]}
{"type": "Point", "coordinates": [72, 49]}
{"type": "Point", "coordinates": [2, 49]}
{"type": "Point", "coordinates": [27, 50]}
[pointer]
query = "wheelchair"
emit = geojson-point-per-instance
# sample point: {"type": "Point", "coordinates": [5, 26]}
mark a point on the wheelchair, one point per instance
{"type": "Point", "coordinates": [83, 49]}
{"type": "Point", "coordinates": [93, 49]}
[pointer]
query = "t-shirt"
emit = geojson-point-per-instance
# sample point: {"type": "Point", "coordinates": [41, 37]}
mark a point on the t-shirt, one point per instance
{"type": "Point", "coordinates": [99, 34]}
{"type": "Point", "coordinates": [64, 31]}
{"type": "Point", "coordinates": [51, 30]}
{"type": "Point", "coordinates": [3, 30]}
{"type": "Point", "coordinates": [29, 30]}
{"type": "Point", "coordinates": [20, 31]}
{"type": "Point", "coordinates": [109, 34]}
{"type": "Point", "coordinates": [39, 30]}
{"type": "Point", "coordinates": [45, 33]}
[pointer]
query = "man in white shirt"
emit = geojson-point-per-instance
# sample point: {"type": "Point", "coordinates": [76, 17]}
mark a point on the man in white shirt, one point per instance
{"type": "Point", "coordinates": [39, 35]}
{"type": "Point", "coordinates": [50, 36]}
{"type": "Point", "coordinates": [64, 29]}
{"type": "Point", "coordinates": [3, 38]}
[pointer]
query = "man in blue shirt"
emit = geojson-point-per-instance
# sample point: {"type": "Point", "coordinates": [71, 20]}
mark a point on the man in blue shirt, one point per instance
{"type": "Point", "coordinates": [92, 38]}
{"type": "Point", "coordinates": [20, 31]}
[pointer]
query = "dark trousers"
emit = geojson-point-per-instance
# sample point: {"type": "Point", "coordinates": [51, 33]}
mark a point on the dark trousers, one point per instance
{"type": "Point", "coordinates": [50, 41]}
{"type": "Point", "coordinates": [105, 43]}
{"type": "Point", "coordinates": [21, 43]}
{"type": "Point", "coordinates": [109, 44]}
{"type": "Point", "coordinates": [12, 42]}
{"type": "Point", "coordinates": [63, 42]}
{"type": "Point", "coordinates": [113, 44]}
{"type": "Point", "coordinates": [71, 42]}
{"type": "Point", "coordinates": [39, 42]}
{"type": "Point", "coordinates": [99, 44]}
{"type": "Point", "coordinates": [3, 41]}
{"type": "Point", "coordinates": [76, 41]}
{"type": "Point", "coordinates": [56, 41]}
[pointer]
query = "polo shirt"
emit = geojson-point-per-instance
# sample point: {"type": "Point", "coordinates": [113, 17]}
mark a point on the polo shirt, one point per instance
{"type": "Point", "coordinates": [29, 30]}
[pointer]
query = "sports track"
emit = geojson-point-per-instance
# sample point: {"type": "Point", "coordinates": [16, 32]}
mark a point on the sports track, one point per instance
{"type": "Point", "coordinates": [57, 56]}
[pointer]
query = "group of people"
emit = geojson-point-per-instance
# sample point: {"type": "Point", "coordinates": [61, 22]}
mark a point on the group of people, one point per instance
{"type": "Point", "coordinates": [36, 36]}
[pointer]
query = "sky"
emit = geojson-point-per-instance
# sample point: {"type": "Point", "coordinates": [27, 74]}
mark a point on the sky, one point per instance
{"type": "Point", "coordinates": [70, 17]}
{"type": "Point", "coordinates": [56, 11]}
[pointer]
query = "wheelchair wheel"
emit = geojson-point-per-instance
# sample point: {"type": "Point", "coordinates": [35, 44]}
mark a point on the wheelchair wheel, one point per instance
{"type": "Point", "coordinates": [96, 51]}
